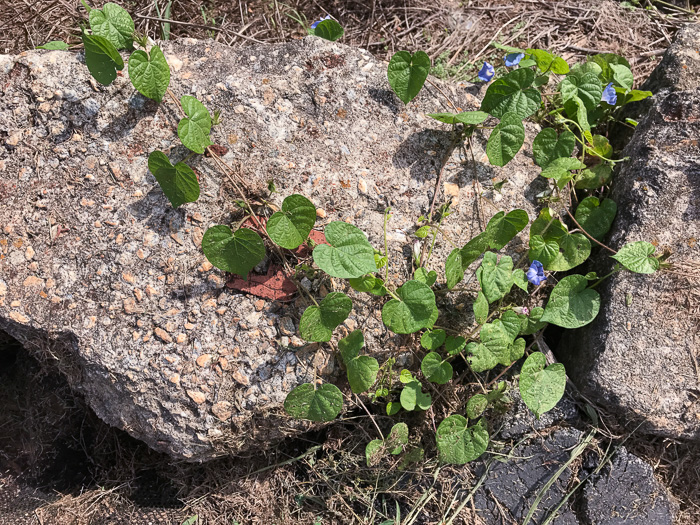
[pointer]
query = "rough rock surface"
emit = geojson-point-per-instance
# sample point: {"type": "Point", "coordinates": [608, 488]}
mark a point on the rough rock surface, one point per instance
{"type": "Point", "coordinates": [625, 492]}
{"type": "Point", "coordinates": [641, 354]}
{"type": "Point", "coordinates": [98, 270]}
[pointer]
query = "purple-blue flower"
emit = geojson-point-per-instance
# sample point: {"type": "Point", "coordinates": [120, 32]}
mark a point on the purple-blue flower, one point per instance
{"type": "Point", "coordinates": [513, 59]}
{"type": "Point", "coordinates": [535, 274]}
{"type": "Point", "coordinates": [313, 26]}
{"type": "Point", "coordinates": [486, 73]}
{"type": "Point", "coordinates": [609, 95]}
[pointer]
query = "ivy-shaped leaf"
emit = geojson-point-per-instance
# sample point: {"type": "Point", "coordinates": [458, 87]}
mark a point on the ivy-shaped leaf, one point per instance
{"type": "Point", "coordinates": [454, 344]}
{"type": "Point", "coordinates": [426, 277]}
{"type": "Point", "coordinates": [506, 139]}
{"type": "Point", "coordinates": [512, 94]}
{"type": "Point", "coordinates": [572, 304]}
{"type": "Point", "coordinates": [433, 339]}
{"type": "Point", "coordinates": [362, 370]}
{"type": "Point", "coordinates": [235, 252]}
{"type": "Point", "coordinates": [412, 311]}
{"type": "Point", "coordinates": [587, 87]}
{"type": "Point", "coordinates": [541, 387]}
{"type": "Point", "coordinates": [458, 443]}
{"type": "Point", "coordinates": [622, 76]}
{"type": "Point", "coordinates": [596, 217]}
{"type": "Point", "coordinates": [560, 168]}
{"type": "Point", "coordinates": [315, 404]}
{"type": "Point", "coordinates": [594, 177]}
{"type": "Point", "coordinates": [548, 146]}
{"type": "Point", "coordinates": [114, 23]}
{"type": "Point", "coordinates": [476, 405]}
{"type": "Point", "coordinates": [318, 322]}
{"type": "Point", "coordinates": [328, 30]}
{"type": "Point", "coordinates": [407, 73]}
{"type": "Point", "coordinates": [179, 183]}
{"type": "Point", "coordinates": [412, 396]}
{"type": "Point", "coordinates": [520, 279]}
{"type": "Point", "coordinates": [291, 226]}
{"type": "Point", "coordinates": [495, 277]}
{"type": "Point", "coordinates": [149, 75]}
{"type": "Point", "coordinates": [502, 228]}
{"type": "Point", "coordinates": [349, 253]}
{"type": "Point", "coordinates": [496, 347]}
{"type": "Point", "coordinates": [638, 257]}
{"type": "Point", "coordinates": [531, 323]}
{"type": "Point", "coordinates": [573, 249]}
{"type": "Point", "coordinates": [548, 62]}
{"type": "Point", "coordinates": [435, 369]}
{"type": "Point", "coordinates": [102, 58]}
{"type": "Point", "coordinates": [195, 128]}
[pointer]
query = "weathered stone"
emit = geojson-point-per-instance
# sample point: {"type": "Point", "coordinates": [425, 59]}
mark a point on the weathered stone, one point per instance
{"type": "Point", "coordinates": [640, 356]}
{"type": "Point", "coordinates": [307, 114]}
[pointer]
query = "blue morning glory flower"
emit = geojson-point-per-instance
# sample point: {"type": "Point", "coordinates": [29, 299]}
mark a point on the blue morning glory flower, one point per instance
{"type": "Point", "coordinates": [313, 26]}
{"type": "Point", "coordinates": [535, 274]}
{"type": "Point", "coordinates": [513, 59]}
{"type": "Point", "coordinates": [486, 73]}
{"type": "Point", "coordinates": [609, 95]}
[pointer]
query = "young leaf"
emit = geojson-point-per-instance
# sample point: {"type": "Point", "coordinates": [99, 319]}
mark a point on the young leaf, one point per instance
{"type": "Point", "coordinates": [54, 45]}
{"type": "Point", "coordinates": [454, 344]}
{"type": "Point", "coordinates": [495, 277]}
{"type": "Point", "coordinates": [520, 279]}
{"type": "Point", "coordinates": [291, 226]}
{"type": "Point", "coordinates": [435, 369]}
{"type": "Point", "coordinates": [315, 404]}
{"type": "Point", "coordinates": [506, 139]}
{"type": "Point", "coordinates": [638, 257]}
{"type": "Point", "coordinates": [512, 94]}
{"type": "Point", "coordinates": [457, 443]}
{"type": "Point", "coordinates": [571, 304]}
{"type": "Point", "coordinates": [318, 322]}
{"type": "Point", "coordinates": [559, 168]}
{"type": "Point", "coordinates": [548, 146]}
{"type": "Point", "coordinates": [595, 216]}
{"type": "Point", "coordinates": [412, 311]}
{"type": "Point", "coordinates": [476, 405]}
{"type": "Point", "coordinates": [407, 73]}
{"type": "Point", "coordinates": [373, 451]}
{"type": "Point", "coordinates": [397, 438]}
{"type": "Point", "coordinates": [622, 76]}
{"type": "Point", "coordinates": [362, 370]}
{"type": "Point", "coordinates": [425, 276]}
{"type": "Point", "coordinates": [194, 129]}
{"type": "Point", "coordinates": [349, 254]}
{"type": "Point", "coordinates": [432, 339]}
{"type": "Point", "coordinates": [102, 59]}
{"type": "Point", "coordinates": [587, 87]}
{"type": "Point", "coordinates": [149, 75]}
{"type": "Point", "coordinates": [547, 62]}
{"type": "Point", "coordinates": [481, 308]}
{"type": "Point", "coordinates": [541, 387]}
{"type": "Point", "coordinates": [113, 23]}
{"type": "Point", "coordinates": [468, 118]}
{"type": "Point", "coordinates": [412, 396]}
{"type": "Point", "coordinates": [179, 182]}
{"type": "Point", "coordinates": [502, 228]}
{"type": "Point", "coordinates": [235, 252]}
{"type": "Point", "coordinates": [328, 30]}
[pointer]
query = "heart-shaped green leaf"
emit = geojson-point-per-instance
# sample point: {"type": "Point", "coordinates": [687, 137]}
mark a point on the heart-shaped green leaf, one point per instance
{"type": "Point", "coordinates": [495, 277]}
{"type": "Point", "coordinates": [596, 217]}
{"type": "Point", "coordinates": [468, 118]}
{"type": "Point", "coordinates": [510, 323]}
{"type": "Point", "coordinates": [638, 257]}
{"type": "Point", "coordinates": [502, 228]}
{"type": "Point", "coordinates": [407, 74]}
{"type": "Point", "coordinates": [548, 62]}
{"type": "Point", "coordinates": [532, 323]}
{"type": "Point", "coordinates": [571, 304]}
{"type": "Point", "coordinates": [520, 279]}
{"type": "Point", "coordinates": [315, 404]}
{"type": "Point", "coordinates": [548, 146]}
{"type": "Point", "coordinates": [454, 269]}
{"type": "Point", "coordinates": [374, 451]}
{"type": "Point", "coordinates": [291, 226]}
{"type": "Point", "coordinates": [194, 129]}
{"type": "Point", "coordinates": [412, 311]}
{"type": "Point", "coordinates": [586, 86]}
{"type": "Point", "coordinates": [433, 339]}
{"type": "Point", "coordinates": [349, 254]}
{"type": "Point", "coordinates": [435, 369]}
{"type": "Point", "coordinates": [362, 370]}
{"type": "Point", "coordinates": [476, 405]}
{"type": "Point", "coordinates": [397, 438]}
{"type": "Point", "coordinates": [59, 45]}
{"type": "Point", "coordinates": [497, 346]}
{"type": "Point", "coordinates": [573, 249]}
{"type": "Point", "coordinates": [102, 58]}
{"type": "Point", "coordinates": [318, 322]}
{"type": "Point", "coordinates": [541, 387]}
{"type": "Point", "coordinates": [474, 249]}
{"type": "Point", "coordinates": [454, 344]}
{"type": "Point", "coordinates": [368, 284]}
{"type": "Point", "coordinates": [622, 76]}
{"type": "Point", "coordinates": [328, 30]}
{"type": "Point", "coordinates": [545, 251]}
{"type": "Point", "coordinates": [481, 308]}
{"type": "Point", "coordinates": [425, 276]}
{"type": "Point", "coordinates": [150, 76]}
{"type": "Point", "coordinates": [560, 168]}
{"type": "Point", "coordinates": [179, 182]}
{"type": "Point", "coordinates": [603, 61]}
{"type": "Point", "coordinates": [113, 23]}
{"type": "Point", "coordinates": [235, 252]}
{"type": "Point", "coordinates": [512, 94]}
{"type": "Point", "coordinates": [506, 139]}
{"type": "Point", "coordinates": [457, 443]}
{"type": "Point", "coordinates": [594, 177]}
{"type": "Point", "coordinates": [412, 396]}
